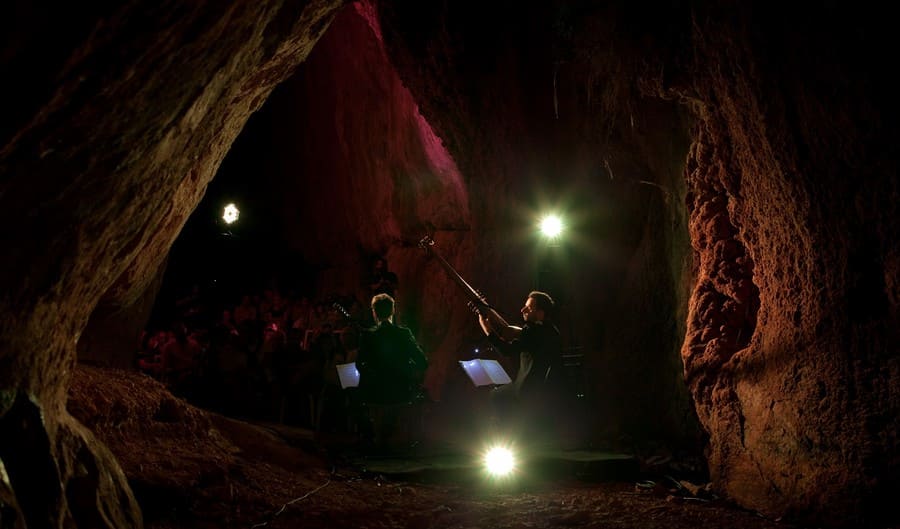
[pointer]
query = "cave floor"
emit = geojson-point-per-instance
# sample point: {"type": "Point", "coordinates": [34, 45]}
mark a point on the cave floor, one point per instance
{"type": "Point", "coordinates": [190, 468]}
{"type": "Point", "coordinates": [346, 497]}
{"type": "Point", "coordinates": [456, 466]}
{"type": "Point", "coordinates": [439, 487]}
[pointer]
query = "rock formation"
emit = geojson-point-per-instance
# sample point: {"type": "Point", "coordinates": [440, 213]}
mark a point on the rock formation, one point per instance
{"type": "Point", "coordinates": [120, 118]}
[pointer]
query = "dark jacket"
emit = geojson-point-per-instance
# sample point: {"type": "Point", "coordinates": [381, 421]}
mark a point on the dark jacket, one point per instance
{"type": "Point", "coordinates": [391, 364]}
{"type": "Point", "coordinates": [539, 347]}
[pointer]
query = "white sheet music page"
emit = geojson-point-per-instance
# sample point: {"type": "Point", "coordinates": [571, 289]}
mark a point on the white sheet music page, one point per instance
{"type": "Point", "coordinates": [348, 374]}
{"type": "Point", "coordinates": [484, 372]}
{"type": "Point", "coordinates": [496, 372]}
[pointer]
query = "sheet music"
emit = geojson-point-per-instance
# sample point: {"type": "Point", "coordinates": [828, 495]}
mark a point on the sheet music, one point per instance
{"type": "Point", "coordinates": [496, 372]}
{"type": "Point", "coordinates": [484, 372]}
{"type": "Point", "coordinates": [348, 374]}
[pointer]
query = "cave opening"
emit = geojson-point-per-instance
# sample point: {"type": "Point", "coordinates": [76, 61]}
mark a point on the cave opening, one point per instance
{"type": "Point", "coordinates": [339, 166]}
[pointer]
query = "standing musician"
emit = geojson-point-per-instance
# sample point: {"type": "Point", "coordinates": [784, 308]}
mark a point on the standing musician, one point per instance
{"type": "Point", "coordinates": [532, 395]}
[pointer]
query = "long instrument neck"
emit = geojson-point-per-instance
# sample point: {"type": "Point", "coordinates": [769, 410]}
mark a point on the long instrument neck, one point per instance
{"type": "Point", "coordinates": [463, 284]}
{"type": "Point", "coordinates": [495, 320]}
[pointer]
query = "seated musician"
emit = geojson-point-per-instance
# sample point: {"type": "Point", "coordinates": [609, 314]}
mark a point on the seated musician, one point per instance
{"type": "Point", "coordinates": [391, 368]}
{"type": "Point", "coordinates": [529, 401]}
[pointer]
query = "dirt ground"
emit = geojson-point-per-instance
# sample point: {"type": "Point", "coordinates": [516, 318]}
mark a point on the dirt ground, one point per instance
{"type": "Point", "coordinates": [193, 469]}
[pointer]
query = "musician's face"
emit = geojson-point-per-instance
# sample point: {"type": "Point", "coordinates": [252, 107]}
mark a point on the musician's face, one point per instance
{"type": "Point", "coordinates": [530, 312]}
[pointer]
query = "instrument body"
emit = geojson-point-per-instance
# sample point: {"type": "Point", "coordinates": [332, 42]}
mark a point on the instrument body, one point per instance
{"type": "Point", "coordinates": [477, 301]}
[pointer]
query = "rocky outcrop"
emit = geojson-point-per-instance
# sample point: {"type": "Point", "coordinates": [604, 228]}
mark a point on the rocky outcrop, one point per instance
{"type": "Point", "coordinates": [128, 117]}
{"type": "Point", "coordinates": [57, 473]}
{"type": "Point", "coordinates": [792, 341]}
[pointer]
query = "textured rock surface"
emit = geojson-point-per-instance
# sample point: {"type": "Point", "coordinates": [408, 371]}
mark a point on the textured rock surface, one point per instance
{"type": "Point", "coordinates": [108, 150]}
{"type": "Point", "coordinates": [792, 342]}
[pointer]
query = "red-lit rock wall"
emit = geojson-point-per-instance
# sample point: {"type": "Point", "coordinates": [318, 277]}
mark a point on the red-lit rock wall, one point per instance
{"type": "Point", "coordinates": [792, 344]}
{"type": "Point", "coordinates": [355, 171]}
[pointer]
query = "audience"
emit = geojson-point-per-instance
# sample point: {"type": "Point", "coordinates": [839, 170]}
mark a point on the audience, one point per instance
{"type": "Point", "coordinates": [267, 356]}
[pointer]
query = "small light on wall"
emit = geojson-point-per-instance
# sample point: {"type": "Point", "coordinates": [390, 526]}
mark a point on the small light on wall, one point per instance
{"type": "Point", "coordinates": [231, 214]}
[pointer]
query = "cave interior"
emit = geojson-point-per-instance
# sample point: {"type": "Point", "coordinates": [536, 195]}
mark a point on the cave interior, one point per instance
{"type": "Point", "coordinates": [728, 277]}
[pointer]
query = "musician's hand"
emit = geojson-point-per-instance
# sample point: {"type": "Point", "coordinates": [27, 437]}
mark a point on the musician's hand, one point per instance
{"type": "Point", "coordinates": [485, 324]}
{"type": "Point", "coordinates": [474, 307]}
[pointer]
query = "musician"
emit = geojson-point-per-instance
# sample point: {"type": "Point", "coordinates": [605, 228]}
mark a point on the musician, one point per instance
{"type": "Point", "coordinates": [382, 281]}
{"type": "Point", "coordinates": [531, 396]}
{"type": "Point", "coordinates": [391, 366]}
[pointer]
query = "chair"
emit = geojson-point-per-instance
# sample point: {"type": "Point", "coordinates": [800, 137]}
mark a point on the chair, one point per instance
{"type": "Point", "coordinates": [398, 427]}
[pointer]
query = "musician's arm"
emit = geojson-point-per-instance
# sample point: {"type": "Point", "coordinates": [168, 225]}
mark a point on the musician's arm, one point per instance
{"type": "Point", "coordinates": [505, 339]}
{"type": "Point", "coordinates": [492, 322]}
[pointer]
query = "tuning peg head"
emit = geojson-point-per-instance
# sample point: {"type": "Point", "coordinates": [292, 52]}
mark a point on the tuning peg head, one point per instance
{"type": "Point", "coordinates": [426, 242]}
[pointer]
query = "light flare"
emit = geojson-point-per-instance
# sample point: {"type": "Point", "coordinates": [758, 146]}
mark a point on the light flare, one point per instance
{"type": "Point", "coordinates": [499, 461]}
{"type": "Point", "coordinates": [231, 214]}
{"type": "Point", "coordinates": [551, 226]}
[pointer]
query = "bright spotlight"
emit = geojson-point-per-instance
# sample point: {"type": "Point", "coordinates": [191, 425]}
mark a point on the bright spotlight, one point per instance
{"type": "Point", "coordinates": [551, 226]}
{"type": "Point", "coordinates": [499, 461]}
{"type": "Point", "coordinates": [230, 214]}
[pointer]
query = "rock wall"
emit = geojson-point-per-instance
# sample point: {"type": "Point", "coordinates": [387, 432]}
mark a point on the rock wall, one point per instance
{"type": "Point", "coordinates": [791, 350]}
{"type": "Point", "coordinates": [109, 148]}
